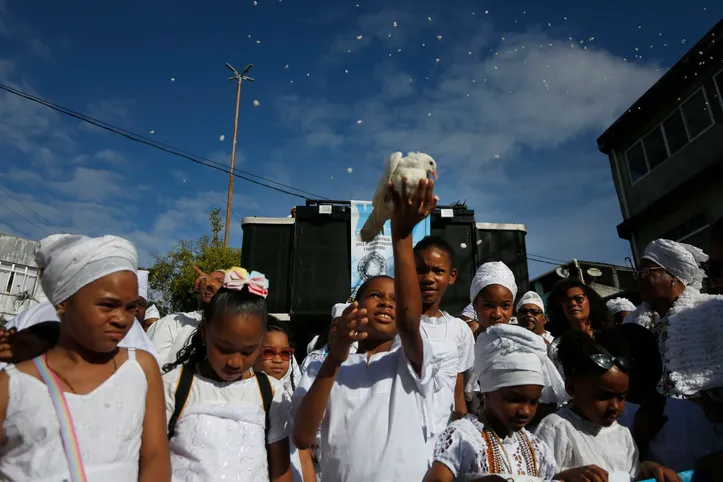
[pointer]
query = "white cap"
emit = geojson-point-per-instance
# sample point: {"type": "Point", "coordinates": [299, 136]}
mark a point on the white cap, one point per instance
{"type": "Point", "coordinates": [531, 298]}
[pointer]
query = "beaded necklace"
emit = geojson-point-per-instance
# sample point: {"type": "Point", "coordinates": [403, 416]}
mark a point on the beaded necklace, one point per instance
{"type": "Point", "coordinates": [499, 464]}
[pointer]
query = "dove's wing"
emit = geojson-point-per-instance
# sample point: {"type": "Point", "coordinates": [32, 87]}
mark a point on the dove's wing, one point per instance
{"type": "Point", "coordinates": [381, 207]}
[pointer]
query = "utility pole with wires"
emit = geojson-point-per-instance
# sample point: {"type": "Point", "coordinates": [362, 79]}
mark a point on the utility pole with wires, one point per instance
{"type": "Point", "coordinates": [239, 78]}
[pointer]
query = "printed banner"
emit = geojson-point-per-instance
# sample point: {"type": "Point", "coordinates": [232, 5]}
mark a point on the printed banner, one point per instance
{"type": "Point", "coordinates": [375, 258]}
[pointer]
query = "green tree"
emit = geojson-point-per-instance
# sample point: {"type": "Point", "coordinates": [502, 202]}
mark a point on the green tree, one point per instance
{"type": "Point", "coordinates": [172, 275]}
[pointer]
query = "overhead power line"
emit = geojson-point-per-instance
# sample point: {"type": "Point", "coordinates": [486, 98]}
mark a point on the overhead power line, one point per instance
{"type": "Point", "coordinates": [26, 219]}
{"type": "Point", "coordinates": [17, 230]}
{"type": "Point", "coordinates": [247, 176]}
{"type": "Point", "coordinates": [31, 209]}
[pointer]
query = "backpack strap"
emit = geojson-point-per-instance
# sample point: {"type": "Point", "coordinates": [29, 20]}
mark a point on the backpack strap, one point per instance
{"type": "Point", "coordinates": [266, 394]}
{"type": "Point", "coordinates": [183, 388]}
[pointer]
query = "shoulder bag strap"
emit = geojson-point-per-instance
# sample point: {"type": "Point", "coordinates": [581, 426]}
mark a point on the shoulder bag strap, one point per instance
{"type": "Point", "coordinates": [65, 421]}
{"type": "Point", "coordinates": [182, 390]}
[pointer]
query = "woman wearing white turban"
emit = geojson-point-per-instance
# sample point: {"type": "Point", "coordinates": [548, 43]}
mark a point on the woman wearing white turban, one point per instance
{"type": "Point", "coordinates": [86, 409]}
{"type": "Point", "coordinates": [514, 373]}
{"type": "Point", "coordinates": [689, 324]}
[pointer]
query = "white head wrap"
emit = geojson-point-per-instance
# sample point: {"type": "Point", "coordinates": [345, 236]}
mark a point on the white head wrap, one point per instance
{"type": "Point", "coordinates": [510, 356]}
{"type": "Point", "coordinates": [70, 262]}
{"type": "Point", "coordinates": [679, 259]}
{"type": "Point", "coordinates": [152, 312]}
{"type": "Point", "coordinates": [531, 298]}
{"type": "Point", "coordinates": [493, 273]}
{"type": "Point", "coordinates": [338, 309]}
{"type": "Point", "coordinates": [142, 283]}
{"type": "Point", "coordinates": [620, 304]}
{"type": "Point", "coordinates": [469, 312]}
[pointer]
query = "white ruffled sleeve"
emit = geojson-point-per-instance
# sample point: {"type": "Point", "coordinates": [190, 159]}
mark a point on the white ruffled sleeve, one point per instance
{"type": "Point", "coordinates": [451, 449]}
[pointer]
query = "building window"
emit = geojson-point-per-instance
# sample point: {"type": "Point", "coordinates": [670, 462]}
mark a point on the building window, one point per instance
{"type": "Point", "coordinates": [685, 123]}
{"type": "Point", "coordinates": [696, 113]}
{"type": "Point", "coordinates": [655, 148]}
{"type": "Point", "coordinates": [16, 279]}
{"type": "Point", "coordinates": [637, 165]}
{"type": "Point", "coordinates": [675, 132]}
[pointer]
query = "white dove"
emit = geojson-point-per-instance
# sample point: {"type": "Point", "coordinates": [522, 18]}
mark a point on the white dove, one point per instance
{"type": "Point", "coordinates": [414, 167]}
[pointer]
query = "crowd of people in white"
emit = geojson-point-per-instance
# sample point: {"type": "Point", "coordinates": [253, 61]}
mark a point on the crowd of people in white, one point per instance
{"type": "Point", "coordinates": [397, 390]}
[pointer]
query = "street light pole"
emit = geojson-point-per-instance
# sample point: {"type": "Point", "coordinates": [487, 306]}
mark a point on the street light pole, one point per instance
{"type": "Point", "coordinates": [239, 78]}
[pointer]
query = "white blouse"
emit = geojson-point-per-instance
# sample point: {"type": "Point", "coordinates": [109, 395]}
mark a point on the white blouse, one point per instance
{"type": "Point", "coordinates": [577, 443]}
{"type": "Point", "coordinates": [378, 417]}
{"type": "Point", "coordinates": [108, 422]}
{"type": "Point", "coordinates": [171, 332]}
{"type": "Point", "coordinates": [220, 433]}
{"type": "Point", "coordinates": [463, 450]}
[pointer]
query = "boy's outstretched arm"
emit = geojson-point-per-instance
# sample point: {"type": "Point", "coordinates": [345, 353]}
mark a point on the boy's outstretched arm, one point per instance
{"type": "Point", "coordinates": [408, 212]}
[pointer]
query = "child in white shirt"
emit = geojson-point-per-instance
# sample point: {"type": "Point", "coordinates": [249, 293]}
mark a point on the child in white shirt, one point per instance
{"type": "Point", "coordinates": [226, 422]}
{"type": "Point", "coordinates": [586, 438]}
{"type": "Point", "coordinates": [373, 405]}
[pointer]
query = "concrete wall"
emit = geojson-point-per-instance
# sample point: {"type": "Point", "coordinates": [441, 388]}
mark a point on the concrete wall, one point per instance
{"type": "Point", "coordinates": [708, 199]}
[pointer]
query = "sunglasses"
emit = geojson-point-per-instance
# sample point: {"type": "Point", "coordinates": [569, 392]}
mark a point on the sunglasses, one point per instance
{"type": "Point", "coordinates": [531, 311]}
{"type": "Point", "coordinates": [269, 353]}
{"type": "Point", "coordinates": [606, 362]}
{"type": "Point", "coordinates": [645, 271]}
{"type": "Point", "coordinates": [578, 300]}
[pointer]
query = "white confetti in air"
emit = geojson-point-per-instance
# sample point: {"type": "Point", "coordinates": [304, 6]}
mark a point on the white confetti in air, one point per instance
{"type": "Point", "coordinates": [346, 71]}
{"type": "Point", "coordinates": [496, 156]}
{"type": "Point", "coordinates": [439, 37]}
{"type": "Point", "coordinates": [256, 103]}
{"type": "Point", "coordinates": [173, 79]}
{"type": "Point", "coordinates": [487, 12]}
{"type": "Point", "coordinates": [308, 74]}
{"type": "Point", "coordinates": [222, 138]}
{"type": "Point", "coordinates": [255, 3]}
{"type": "Point", "coordinates": [359, 121]}
{"type": "Point", "coordinates": [479, 241]}
{"type": "Point", "coordinates": [437, 60]}
{"type": "Point", "coordinates": [359, 37]}
{"type": "Point", "coordinates": [258, 41]}
{"type": "Point", "coordinates": [395, 23]}
{"type": "Point", "coordinates": [286, 66]}
{"type": "Point", "coordinates": [332, 178]}
{"type": "Point", "coordinates": [349, 170]}
{"type": "Point", "coordinates": [463, 245]}
{"type": "Point", "coordinates": [152, 132]}
{"type": "Point", "coordinates": [429, 19]}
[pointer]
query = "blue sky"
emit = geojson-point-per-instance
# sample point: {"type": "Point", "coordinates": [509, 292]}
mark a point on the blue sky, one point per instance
{"type": "Point", "coordinates": [508, 96]}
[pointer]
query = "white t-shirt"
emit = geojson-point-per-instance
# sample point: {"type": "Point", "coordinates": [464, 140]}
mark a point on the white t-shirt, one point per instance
{"type": "Point", "coordinates": [451, 335]}
{"type": "Point", "coordinates": [220, 432]}
{"type": "Point", "coordinates": [685, 437]}
{"type": "Point", "coordinates": [577, 443]}
{"type": "Point", "coordinates": [171, 332]}
{"type": "Point", "coordinates": [45, 311]}
{"type": "Point", "coordinates": [378, 422]}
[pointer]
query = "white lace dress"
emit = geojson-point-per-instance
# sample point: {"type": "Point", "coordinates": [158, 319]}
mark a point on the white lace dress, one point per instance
{"type": "Point", "coordinates": [578, 443]}
{"type": "Point", "coordinates": [463, 450]}
{"type": "Point", "coordinates": [108, 422]}
{"type": "Point", "coordinates": [220, 433]}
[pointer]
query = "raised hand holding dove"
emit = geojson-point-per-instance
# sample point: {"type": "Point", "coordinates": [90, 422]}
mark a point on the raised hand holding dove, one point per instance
{"type": "Point", "coordinates": [404, 173]}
